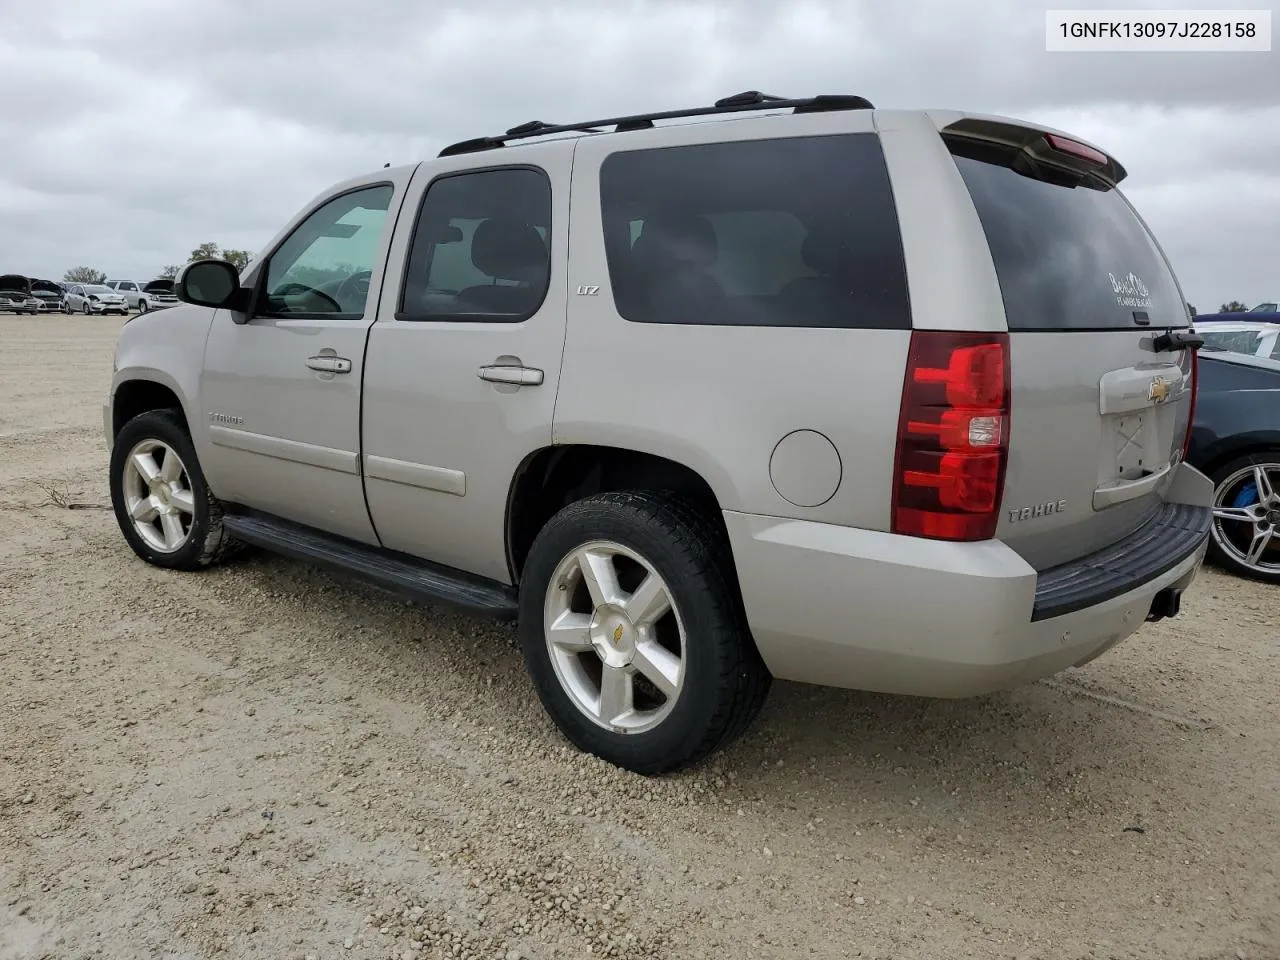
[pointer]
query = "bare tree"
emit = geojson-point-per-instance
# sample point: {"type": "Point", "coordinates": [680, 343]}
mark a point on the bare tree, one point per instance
{"type": "Point", "coordinates": [170, 272]}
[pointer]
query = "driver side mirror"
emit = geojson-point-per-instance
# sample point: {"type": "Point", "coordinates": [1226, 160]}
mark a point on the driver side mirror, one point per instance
{"type": "Point", "coordinates": [211, 283]}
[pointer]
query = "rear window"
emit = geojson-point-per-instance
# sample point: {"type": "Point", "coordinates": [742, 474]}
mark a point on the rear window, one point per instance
{"type": "Point", "coordinates": [1069, 255]}
{"type": "Point", "coordinates": [794, 232]}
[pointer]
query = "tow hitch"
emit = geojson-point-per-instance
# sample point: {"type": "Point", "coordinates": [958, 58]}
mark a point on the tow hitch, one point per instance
{"type": "Point", "coordinates": [1164, 604]}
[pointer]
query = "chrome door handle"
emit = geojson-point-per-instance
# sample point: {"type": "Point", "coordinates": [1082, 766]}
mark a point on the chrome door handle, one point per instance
{"type": "Point", "coordinates": [329, 364]}
{"type": "Point", "coordinates": [521, 376]}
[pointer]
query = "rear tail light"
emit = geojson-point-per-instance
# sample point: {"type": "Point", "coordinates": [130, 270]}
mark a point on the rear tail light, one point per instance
{"type": "Point", "coordinates": [953, 436]}
{"type": "Point", "coordinates": [1194, 374]}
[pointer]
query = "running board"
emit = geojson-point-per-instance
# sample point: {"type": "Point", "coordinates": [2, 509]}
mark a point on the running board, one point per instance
{"type": "Point", "coordinates": [400, 573]}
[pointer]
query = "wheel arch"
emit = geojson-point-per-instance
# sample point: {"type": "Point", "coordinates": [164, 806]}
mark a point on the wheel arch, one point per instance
{"type": "Point", "coordinates": [552, 477]}
{"type": "Point", "coordinates": [1237, 445]}
{"type": "Point", "coordinates": [138, 393]}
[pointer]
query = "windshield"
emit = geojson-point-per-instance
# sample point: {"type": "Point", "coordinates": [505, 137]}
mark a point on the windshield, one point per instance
{"type": "Point", "coordinates": [1266, 308]}
{"type": "Point", "coordinates": [97, 288]}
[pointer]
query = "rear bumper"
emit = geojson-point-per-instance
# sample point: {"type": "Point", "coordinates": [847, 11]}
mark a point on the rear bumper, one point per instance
{"type": "Point", "coordinates": [873, 611]}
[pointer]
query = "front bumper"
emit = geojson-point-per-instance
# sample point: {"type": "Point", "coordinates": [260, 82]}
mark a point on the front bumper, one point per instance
{"type": "Point", "coordinates": [869, 610]}
{"type": "Point", "coordinates": [98, 306]}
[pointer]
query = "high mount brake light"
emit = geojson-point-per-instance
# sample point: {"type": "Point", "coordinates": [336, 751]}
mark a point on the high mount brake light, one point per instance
{"type": "Point", "coordinates": [1076, 149]}
{"type": "Point", "coordinates": [953, 436]}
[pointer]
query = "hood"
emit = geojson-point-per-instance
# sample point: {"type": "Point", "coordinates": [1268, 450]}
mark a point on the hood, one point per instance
{"type": "Point", "coordinates": [162, 286]}
{"type": "Point", "coordinates": [45, 288]}
{"type": "Point", "coordinates": [11, 281]}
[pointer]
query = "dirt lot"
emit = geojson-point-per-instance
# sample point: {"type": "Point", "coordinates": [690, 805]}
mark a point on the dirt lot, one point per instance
{"type": "Point", "coordinates": [266, 761]}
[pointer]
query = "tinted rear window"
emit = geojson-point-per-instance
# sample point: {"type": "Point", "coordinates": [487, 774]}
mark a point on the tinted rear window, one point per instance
{"type": "Point", "coordinates": [795, 232]}
{"type": "Point", "coordinates": [1069, 256]}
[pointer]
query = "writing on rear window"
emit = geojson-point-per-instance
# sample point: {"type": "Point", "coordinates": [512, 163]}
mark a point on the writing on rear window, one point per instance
{"type": "Point", "coordinates": [1130, 291]}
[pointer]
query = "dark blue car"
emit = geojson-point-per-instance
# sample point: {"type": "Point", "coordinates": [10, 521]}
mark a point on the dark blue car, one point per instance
{"type": "Point", "coordinates": [1235, 441]}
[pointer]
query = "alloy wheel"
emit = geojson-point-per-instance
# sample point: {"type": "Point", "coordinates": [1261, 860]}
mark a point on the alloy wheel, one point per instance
{"type": "Point", "coordinates": [157, 495]}
{"type": "Point", "coordinates": [1246, 517]}
{"type": "Point", "coordinates": [615, 637]}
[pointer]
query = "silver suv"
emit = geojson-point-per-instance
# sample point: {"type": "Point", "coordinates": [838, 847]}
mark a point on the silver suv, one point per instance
{"type": "Point", "coordinates": [883, 399]}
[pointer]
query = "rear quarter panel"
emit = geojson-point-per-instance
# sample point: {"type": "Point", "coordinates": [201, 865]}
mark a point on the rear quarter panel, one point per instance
{"type": "Point", "coordinates": [719, 399]}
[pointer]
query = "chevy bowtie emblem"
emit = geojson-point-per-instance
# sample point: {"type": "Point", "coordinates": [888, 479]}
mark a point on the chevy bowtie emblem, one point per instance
{"type": "Point", "coordinates": [1159, 390]}
{"type": "Point", "coordinates": [617, 633]}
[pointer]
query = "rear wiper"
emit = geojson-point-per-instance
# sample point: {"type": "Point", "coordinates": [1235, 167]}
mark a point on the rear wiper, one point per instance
{"type": "Point", "coordinates": [1177, 340]}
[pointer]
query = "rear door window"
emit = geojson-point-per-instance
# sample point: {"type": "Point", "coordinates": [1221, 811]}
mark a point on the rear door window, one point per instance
{"type": "Point", "coordinates": [480, 249]}
{"type": "Point", "coordinates": [1069, 255]}
{"type": "Point", "coordinates": [793, 232]}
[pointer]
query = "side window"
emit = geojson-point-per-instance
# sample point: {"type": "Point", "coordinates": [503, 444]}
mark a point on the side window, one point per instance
{"type": "Point", "coordinates": [126, 285]}
{"type": "Point", "coordinates": [794, 232]}
{"type": "Point", "coordinates": [323, 267]}
{"type": "Point", "coordinates": [480, 248]}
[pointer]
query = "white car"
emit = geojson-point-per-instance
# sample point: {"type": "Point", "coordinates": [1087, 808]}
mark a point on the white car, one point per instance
{"type": "Point", "coordinates": [136, 294]}
{"type": "Point", "coordinates": [1257, 338]}
{"type": "Point", "coordinates": [90, 298]}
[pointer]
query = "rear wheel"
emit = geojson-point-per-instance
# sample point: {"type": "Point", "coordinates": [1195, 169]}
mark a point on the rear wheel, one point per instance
{"type": "Point", "coordinates": [633, 631]}
{"type": "Point", "coordinates": [161, 501]}
{"type": "Point", "coordinates": [1246, 516]}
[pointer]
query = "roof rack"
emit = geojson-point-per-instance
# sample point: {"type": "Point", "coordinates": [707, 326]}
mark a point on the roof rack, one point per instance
{"type": "Point", "coordinates": [738, 103]}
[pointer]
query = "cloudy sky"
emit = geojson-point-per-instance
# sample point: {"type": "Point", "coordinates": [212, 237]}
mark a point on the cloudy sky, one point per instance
{"type": "Point", "coordinates": [133, 130]}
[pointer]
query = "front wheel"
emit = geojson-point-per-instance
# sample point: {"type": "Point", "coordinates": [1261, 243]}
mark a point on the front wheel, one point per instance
{"type": "Point", "coordinates": [161, 501]}
{"type": "Point", "coordinates": [1246, 516]}
{"type": "Point", "coordinates": [142, 307]}
{"type": "Point", "coordinates": [634, 634]}
{"type": "Point", "coordinates": [84, 308]}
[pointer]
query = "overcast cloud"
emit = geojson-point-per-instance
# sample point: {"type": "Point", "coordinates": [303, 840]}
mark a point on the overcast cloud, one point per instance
{"type": "Point", "coordinates": [133, 130]}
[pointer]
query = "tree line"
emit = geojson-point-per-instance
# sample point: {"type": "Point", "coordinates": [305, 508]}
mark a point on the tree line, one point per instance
{"type": "Point", "coordinates": [206, 251]}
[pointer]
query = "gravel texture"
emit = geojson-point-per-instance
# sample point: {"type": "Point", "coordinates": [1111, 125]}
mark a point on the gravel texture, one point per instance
{"type": "Point", "coordinates": [267, 761]}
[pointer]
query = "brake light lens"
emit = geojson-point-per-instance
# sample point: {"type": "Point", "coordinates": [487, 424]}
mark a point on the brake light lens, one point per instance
{"type": "Point", "coordinates": [1194, 374]}
{"type": "Point", "coordinates": [1076, 149]}
{"type": "Point", "coordinates": [953, 436]}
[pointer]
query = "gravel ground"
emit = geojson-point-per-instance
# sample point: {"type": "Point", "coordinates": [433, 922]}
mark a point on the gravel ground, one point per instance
{"type": "Point", "coordinates": [267, 761]}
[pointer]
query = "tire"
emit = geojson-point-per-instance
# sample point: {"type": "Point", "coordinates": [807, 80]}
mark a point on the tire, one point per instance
{"type": "Point", "coordinates": [203, 540]}
{"type": "Point", "coordinates": [719, 681]}
{"type": "Point", "coordinates": [84, 308]}
{"type": "Point", "coordinates": [142, 307]}
{"type": "Point", "coordinates": [1245, 519]}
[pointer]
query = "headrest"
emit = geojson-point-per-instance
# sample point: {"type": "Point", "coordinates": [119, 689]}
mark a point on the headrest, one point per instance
{"type": "Point", "coordinates": [685, 239]}
{"type": "Point", "coordinates": [509, 250]}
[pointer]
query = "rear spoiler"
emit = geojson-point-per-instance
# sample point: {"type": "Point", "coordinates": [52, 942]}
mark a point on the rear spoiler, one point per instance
{"type": "Point", "coordinates": [1049, 147]}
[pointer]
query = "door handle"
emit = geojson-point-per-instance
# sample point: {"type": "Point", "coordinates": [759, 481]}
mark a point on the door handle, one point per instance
{"type": "Point", "coordinates": [520, 376]}
{"type": "Point", "coordinates": [329, 364]}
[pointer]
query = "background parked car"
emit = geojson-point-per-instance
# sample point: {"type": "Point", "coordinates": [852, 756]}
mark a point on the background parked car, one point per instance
{"type": "Point", "coordinates": [1235, 441]}
{"type": "Point", "coordinates": [1267, 310]}
{"type": "Point", "coordinates": [136, 293]}
{"type": "Point", "coordinates": [16, 296]}
{"type": "Point", "coordinates": [1259, 338]}
{"type": "Point", "coordinates": [90, 298]}
{"type": "Point", "coordinates": [160, 293]}
{"type": "Point", "coordinates": [51, 296]}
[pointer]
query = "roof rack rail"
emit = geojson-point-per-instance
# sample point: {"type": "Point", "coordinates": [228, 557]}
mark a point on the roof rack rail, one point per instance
{"type": "Point", "coordinates": [738, 103]}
